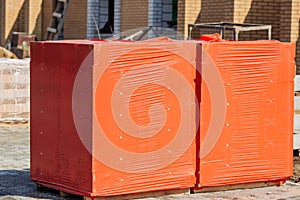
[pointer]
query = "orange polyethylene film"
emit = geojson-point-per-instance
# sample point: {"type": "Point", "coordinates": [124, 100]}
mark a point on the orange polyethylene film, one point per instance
{"type": "Point", "coordinates": [112, 118]}
{"type": "Point", "coordinates": [144, 117]}
{"type": "Point", "coordinates": [255, 143]}
{"type": "Point", "coordinates": [211, 38]}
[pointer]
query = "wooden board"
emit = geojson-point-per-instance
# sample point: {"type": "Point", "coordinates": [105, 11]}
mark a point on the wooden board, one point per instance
{"type": "Point", "coordinates": [238, 186]}
{"type": "Point", "coordinates": [120, 197]}
{"type": "Point", "coordinates": [143, 195]}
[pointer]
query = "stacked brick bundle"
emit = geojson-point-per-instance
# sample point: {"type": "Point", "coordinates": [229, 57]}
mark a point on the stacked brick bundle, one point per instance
{"type": "Point", "coordinates": [117, 118]}
{"type": "Point", "coordinates": [14, 89]}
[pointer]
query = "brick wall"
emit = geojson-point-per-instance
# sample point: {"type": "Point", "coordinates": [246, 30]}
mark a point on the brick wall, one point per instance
{"type": "Point", "coordinates": [188, 13]}
{"type": "Point", "coordinates": [289, 25]}
{"type": "Point", "coordinates": [47, 10]}
{"type": "Point", "coordinates": [134, 14]}
{"type": "Point", "coordinates": [285, 20]}
{"type": "Point", "coordinates": [295, 30]}
{"type": "Point", "coordinates": [75, 24]}
{"type": "Point", "coordinates": [215, 11]}
{"type": "Point", "coordinates": [20, 16]}
{"type": "Point", "coordinates": [15, 17]}
{"type": "Point", "coordinates": [258, 12]}
{"type": "Point", "coordinates": [35, 18]}
{"type": "Point", "coordinates": [203, 11]}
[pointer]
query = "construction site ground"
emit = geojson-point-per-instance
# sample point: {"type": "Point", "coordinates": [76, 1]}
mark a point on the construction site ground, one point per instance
{"type": "Point", "coordinates": [15, 182]}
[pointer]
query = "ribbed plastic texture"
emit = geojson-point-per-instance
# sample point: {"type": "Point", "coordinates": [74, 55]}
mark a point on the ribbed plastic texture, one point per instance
{"type": "Point", "coordinates": [111, 118]}
{"type": "Point", "coordinates": [255, 143]}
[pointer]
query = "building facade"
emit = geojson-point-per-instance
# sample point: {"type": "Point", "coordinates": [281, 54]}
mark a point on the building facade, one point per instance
{"type": "Point", "coordinates": [85, 18]}
{"type": "Point", "coordinates": [88, 18]}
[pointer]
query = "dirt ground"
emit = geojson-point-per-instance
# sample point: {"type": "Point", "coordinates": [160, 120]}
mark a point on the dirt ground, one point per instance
{"type": "Point", "coordinates": [15, 182]}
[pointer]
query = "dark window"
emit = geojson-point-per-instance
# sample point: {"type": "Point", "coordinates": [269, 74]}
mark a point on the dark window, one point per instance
{"type": "Point", "coordinates": [108, 28]}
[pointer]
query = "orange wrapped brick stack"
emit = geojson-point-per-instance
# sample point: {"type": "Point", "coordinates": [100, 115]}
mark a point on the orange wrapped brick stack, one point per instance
{"type": "Point", "coordinates": [255, 143]}
{"type": "Point", "coordinates": [119, 118]}
{"type": "Point", "coordinates": [113, 118]}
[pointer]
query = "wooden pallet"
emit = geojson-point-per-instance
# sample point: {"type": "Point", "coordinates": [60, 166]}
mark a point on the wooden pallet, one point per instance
{"type": "Point", "coordinates": [238, 186]}
{"type": "Point", "coordinates": [143, 195]}
{"type": "Point", "coordinates": [119, 197]}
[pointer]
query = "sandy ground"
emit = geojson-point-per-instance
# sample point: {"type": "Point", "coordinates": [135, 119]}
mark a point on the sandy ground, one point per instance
{"type": "Point", "coordinates": [16, 184]}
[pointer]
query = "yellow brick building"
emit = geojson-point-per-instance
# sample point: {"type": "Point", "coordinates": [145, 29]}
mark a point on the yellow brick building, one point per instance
{"type": "Point", "coordinates": [84, 16]}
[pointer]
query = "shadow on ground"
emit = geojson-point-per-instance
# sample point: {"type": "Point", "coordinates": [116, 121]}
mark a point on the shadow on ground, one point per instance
{"type": "Point", "coordinates": [17, 183]}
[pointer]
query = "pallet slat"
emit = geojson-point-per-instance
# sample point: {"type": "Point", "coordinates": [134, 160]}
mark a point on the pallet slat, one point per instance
{"type": "Point", "coordinates": [238, 186]}
{"type": "Point", "coordinates": [143, 195]}
{"type": "Point", "coordinates": [182, 191]}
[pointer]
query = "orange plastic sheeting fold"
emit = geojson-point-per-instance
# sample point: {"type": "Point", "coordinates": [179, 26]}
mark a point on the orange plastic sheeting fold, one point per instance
{"type": "Point", "coordinates": [255, 143]}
